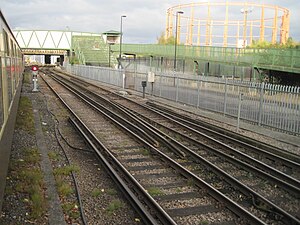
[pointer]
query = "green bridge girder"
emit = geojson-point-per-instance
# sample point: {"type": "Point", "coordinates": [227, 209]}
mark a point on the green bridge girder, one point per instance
{"type": "Point", "coordinates": [287, 60]}
{"type": "Point", "coordinates": [96, 51]}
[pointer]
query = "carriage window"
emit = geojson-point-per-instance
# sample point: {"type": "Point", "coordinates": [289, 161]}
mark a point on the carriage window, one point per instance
{"type": "Point", "coordinates": [6, 43]}
{"type": "Point", "coordinates": [1, 97]}
{"type": "Point", "coordinates": [1, 42]}
{"type": "Point", "coordinates": [12, 52]}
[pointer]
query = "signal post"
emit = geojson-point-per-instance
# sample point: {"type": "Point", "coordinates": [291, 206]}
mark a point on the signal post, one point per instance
{"type": "Point", "coordinates": [34, 70]}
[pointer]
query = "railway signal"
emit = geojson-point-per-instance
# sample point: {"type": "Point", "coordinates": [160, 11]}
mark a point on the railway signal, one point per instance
{"type": "Point", "coordinates": [34, 70]}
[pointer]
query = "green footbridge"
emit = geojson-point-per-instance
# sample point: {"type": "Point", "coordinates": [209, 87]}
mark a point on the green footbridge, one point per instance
{"type": "Point", "coordinates": [287, 60]}
{"type": "Point", "coordinates": [94, 51]}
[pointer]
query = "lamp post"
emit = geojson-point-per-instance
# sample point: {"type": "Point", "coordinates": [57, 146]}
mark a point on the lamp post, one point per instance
{"type": "Point", "coordinates": [176, 30]}
{"type": "Point", "coordinates": [109, 52]}
{"type": "Point", "coordinates": [121, 35]}
{"type": "Point", "coordinates": [245, 11]}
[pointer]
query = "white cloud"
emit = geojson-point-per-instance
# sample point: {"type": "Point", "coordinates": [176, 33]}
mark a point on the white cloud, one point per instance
{"type": "Point", "coordinates": [144, 22]}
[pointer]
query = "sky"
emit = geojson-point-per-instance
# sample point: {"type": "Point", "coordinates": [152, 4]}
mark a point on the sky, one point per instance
{"type": "Point", "coordinates": [145, 19]}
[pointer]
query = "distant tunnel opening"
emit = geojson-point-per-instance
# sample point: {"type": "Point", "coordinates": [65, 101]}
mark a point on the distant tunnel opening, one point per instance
{"type": "Point", "coordinates": [47, 59]}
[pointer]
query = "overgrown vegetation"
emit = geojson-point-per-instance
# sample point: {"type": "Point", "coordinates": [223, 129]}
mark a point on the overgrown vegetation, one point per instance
{"type": "Point", "coordinates": [27, 78]}
{"type": "Point", "coordinates": [71, 209]}
{"type": "Point", "coordinates": [29, 182]}
{"type": "Point", "coordinates": [154, 191]}
{"type": "Point", "coordinates": [26, 171]}
{"type": "Point", "coordinates": [162, 40]}
{"type": "Point", "coordinates": [74, 60]}
{"type": "Point", "coordinates": [25, 120]}
{"type": "Point", "coordinates": [53, 156]}
{"type": "Point", "coordinates": [115, 205]}
{"type": "Point", "coordinates": [112, 191]}
{"type": "Point", "coordinates": [65, 189]}
{"type": "Point", "coordinates": [66, 170]}
{"type": "Point", "coordinates": [266, 44]}
{"type": "Point", "coordinates": [96, 192]}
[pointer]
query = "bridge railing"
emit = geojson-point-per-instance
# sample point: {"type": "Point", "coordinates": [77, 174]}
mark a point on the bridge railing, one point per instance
{"type": "Point", "coordinates": [278, 59]}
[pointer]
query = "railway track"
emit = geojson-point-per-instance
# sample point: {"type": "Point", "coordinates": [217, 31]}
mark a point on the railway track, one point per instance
{"type": "Point", "coordinates": [183, 150]}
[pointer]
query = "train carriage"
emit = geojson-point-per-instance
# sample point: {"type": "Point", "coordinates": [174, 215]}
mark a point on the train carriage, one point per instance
{"type": "Point", "coordinates": [11, 70]}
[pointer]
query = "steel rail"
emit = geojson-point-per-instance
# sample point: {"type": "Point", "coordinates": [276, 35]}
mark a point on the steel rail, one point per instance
{"type": "Point", "coordinates": [250, 160]}
{"type": "Point", "coordinates": [247, 158]}
{"type": "Point", "coordinates": [288, 156]}
{"type": "Point", "coordinates": [98, 147]}
{"type": "Point", "coordinates": [230, 204]}
{"type": "Point", "coordinates": [286, 217]}
{"type": "Point", "coordinates": [131, 197]}
{"type": "Point", "coordinates": [238, 162]}
{"type": "Point", "coordinates": [253, 161]}
{"type": "Point", "coordinates": [291, 159]}
{"type": "Point", "coordinates": [255, 145]}
{"type": "Point", "coordinates": [173, 146]}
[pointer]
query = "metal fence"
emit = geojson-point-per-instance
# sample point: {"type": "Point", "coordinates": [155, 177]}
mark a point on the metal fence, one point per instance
{"type": "Point", "coordinates": [270, 105]}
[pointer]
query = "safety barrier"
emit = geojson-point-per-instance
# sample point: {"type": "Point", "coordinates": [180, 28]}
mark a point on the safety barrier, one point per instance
{"type": "Point", "coordinates": [265, 104]}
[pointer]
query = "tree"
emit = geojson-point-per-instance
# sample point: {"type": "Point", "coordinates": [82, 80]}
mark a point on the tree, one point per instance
{"type": "Point", "coordinates": [266, 44]}
{"type": "Point", "coordinates": [291, 43]}
{"type": "Point", "coordinates": [162, 40]}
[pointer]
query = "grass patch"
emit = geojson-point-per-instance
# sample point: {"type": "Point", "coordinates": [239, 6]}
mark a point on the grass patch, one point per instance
{"type": "Point", "coordinates": [25, 119]}
{"type": "Point", "coordinates": [191, 182]}
{"type": "Point", "coordinates": [112, 191]}
{"type": "Point", "coordinates": [32, 176]}
{"type": "Point", "coordinates": [153, 191]}
{"type": "Point", "coordinates": [96, 192]}
{"type": "Point", "coordinates": [32, 156]}
{"type": "Point", "coordinates": [37, 202]}
{"type": "Point", "coordinates": [178, 190]}
{"type": "Point", "coordinates": [114, 206]}
{"type": "Point", "coordinates": [27, 78]}
{"type": "Point", "coordinates": [72, 210]}
{"type": "Point", "coordinates": [66, 170]}
{"type": "Point", "coordinates": [65, 189]}
{"type": "Point", "coordinates": [145, 152]}
{"type": "Point", "coordinates": [54, 156]}
{"type": "Point", "coordinates": [29, 180]}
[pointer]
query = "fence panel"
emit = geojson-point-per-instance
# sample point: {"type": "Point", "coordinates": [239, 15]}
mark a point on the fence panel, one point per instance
{"type": "Point", "coordinates": [271, 105]}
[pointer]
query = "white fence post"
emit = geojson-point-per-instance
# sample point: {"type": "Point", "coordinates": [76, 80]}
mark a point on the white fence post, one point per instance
{"type": "Point", "coordinates": [225, 97]}
{"type": "Point", "coordinates": [198, 93]}
{"type": "Point", "coordinates": [177, 87]}
{"type": "Point", "coordinates": [261, 100]}
{"type": "Point", "coordinates": [239, 111]}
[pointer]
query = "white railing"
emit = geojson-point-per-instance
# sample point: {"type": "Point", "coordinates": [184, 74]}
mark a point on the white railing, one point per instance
{"type": "Point", "coordinates": [270, 105]}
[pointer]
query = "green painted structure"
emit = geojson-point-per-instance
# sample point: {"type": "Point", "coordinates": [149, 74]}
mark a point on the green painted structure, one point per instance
{"type": "Point", "coordinates": [90, 50]}
{"type": "Point", "coordinates": [95, 49]}
{"type": "Point", "coordinates": [287, 60]}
